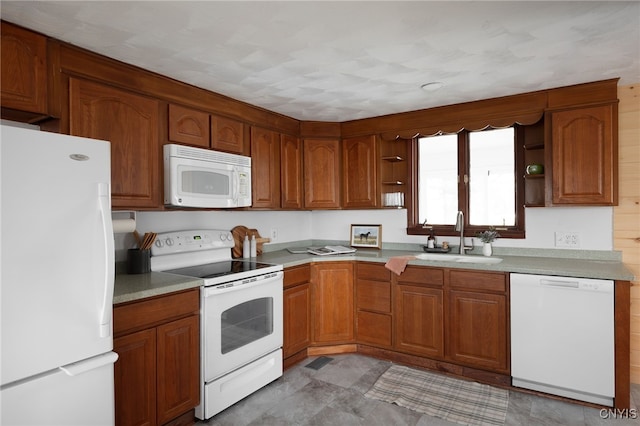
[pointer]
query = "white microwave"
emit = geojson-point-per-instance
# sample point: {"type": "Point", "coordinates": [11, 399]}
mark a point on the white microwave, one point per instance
{"type": "Point", "coordinates": [196, 177]}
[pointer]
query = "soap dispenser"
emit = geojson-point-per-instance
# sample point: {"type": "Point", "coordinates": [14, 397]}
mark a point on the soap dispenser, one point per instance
{"type": "Point", "coordinates": [431, 241]}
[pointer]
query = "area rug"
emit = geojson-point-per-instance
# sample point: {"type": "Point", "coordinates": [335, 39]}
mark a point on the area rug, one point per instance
{"type": "Point", "coordinates": [458, 401]}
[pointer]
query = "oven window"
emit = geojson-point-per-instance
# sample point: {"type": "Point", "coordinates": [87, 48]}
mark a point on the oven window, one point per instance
{"type": "Point", "coordinates": [246, 323]}
{"type": "Point", "coordinates": [200, 182]}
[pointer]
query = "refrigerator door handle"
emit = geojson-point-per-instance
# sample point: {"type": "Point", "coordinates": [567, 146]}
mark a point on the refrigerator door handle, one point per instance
{"type": "Point", "coordinates": [104, 196]}
{"type": "Point", "coordinates": [80, 367]}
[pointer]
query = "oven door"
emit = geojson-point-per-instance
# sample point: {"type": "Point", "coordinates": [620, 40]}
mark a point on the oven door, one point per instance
{"type": "Point", "coordinates": [241, 323]}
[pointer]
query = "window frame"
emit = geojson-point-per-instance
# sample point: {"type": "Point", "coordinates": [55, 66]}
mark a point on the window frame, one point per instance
{"type": "Point", "coordinates": [414, 227]}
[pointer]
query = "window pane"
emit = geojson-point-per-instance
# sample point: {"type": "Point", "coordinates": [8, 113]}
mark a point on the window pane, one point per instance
{"type": "Point", "coordinates": [438, 179]}
{"type": "Point", "coordinates": [492, 189]}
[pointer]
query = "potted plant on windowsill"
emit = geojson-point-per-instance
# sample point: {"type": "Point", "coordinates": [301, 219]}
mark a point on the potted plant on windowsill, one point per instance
{"type": "Point", "coordinates": [487, 237]}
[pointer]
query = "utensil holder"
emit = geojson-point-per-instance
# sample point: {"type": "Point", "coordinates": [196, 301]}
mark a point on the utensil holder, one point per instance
{"type": "Point", "coordinates": [138, 261]}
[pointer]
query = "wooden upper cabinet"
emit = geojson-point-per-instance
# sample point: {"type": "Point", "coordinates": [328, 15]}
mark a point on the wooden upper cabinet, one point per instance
{"type": "Point", "coordinates": [360, 172]}
{"type": "Point", "coordinates": [321, 173]}
{"type": "Point", "coordinates": [291, 172]}
{"type": "Point", "coordinates": [199, 128]}
{"type": "Point", "coordinates": [584, 156]}
{"type": "Point", "coordinates": [131, 123]}
{"type": "Point", "coordinates": [265, 168]}
{"type": "Point", "coordinates": [24, 70]}
{"type": "Point", "coordinates": [188, 126]}
{"type": "Point", "coordinates": [227, 135]}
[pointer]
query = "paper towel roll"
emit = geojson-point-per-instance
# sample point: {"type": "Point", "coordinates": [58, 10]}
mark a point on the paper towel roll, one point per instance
{"type": "Point", "coordinates": [122, 226]}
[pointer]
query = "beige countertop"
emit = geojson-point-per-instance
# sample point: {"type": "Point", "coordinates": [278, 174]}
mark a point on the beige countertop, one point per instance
{"type": "Point", "coordinates": [134, 287]}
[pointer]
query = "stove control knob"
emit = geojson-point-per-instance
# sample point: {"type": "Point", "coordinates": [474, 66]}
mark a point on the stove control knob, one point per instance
{"type": "Point", "coordinates": [159, 243]}
{"type": "Point", "coordinates": [169, 242]}
{"type": "Point", "coordinates": [229, 237]}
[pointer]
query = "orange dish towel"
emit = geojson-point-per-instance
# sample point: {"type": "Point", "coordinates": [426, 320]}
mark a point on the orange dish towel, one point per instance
{"type": "Point", "coordinates": [398, 263]}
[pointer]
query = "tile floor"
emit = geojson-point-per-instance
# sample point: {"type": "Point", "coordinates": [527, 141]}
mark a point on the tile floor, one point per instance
{"type": "Point", "coordinates": [334, 395]}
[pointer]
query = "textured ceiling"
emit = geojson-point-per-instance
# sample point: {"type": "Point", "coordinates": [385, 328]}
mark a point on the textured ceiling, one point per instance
{"type": "Point", "coordinates": [339, 61]}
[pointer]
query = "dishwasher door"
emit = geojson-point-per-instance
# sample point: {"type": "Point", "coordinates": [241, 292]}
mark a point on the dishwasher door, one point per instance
{"type": "Point", "coordinates": [562, 336]}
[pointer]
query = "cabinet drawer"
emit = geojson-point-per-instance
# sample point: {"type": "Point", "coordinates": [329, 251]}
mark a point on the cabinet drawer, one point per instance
{"type": "Point", "coordinates": [421, 275]}
{"type": "Point", "coordinates": [374, 329]}
{"type": "Point", "coordinates": [372, 271]}
{"type": "Point", "coordinates": [373, 295]}
{"type": "Point", "coordinates": [478, 280]}
{"type": "Point", "coordinates": [296, 275]}
{"type": "Point", "coordinates": [151, 312]}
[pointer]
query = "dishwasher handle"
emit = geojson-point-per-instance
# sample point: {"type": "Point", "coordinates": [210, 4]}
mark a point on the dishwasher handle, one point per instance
{"type": "Point", "coordinates": [560, 283]}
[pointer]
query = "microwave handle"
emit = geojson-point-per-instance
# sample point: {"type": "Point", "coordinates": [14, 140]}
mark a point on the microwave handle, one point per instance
{"type": "Point", "coordinates": [236, 185]}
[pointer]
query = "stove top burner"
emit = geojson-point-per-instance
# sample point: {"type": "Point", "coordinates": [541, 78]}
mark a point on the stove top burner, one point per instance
{"type": "Point", "coordinates": [218, 269]}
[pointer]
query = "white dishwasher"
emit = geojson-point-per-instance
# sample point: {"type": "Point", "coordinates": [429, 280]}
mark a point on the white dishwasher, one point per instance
{"type": "Point", "coordinates": [562, 336]}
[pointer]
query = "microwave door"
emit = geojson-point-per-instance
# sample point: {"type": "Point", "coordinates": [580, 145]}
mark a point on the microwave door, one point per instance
{"type": "Point", "coordinates": [205, 186]}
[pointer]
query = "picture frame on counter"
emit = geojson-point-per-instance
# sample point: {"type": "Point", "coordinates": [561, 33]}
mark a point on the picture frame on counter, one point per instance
{"type": "Point", "coordinates": [366, 236]}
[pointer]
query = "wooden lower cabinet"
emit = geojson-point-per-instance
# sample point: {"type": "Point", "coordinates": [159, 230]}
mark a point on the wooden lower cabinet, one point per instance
{"type": "Point", "coordinates": [450, 316]}
{"type": "Point", "coordinates": [453, 315]}
{"type": "Point", "coordinates": [332, 303]}
{"type": "Point", "coordinates": [478, 319]}
{"type": "Point", "coordinates": [419, 320]}
{"type": "Point", "coordinates": [135, 378]}
{"type": "Point", "coordinates": [296, 306]}
{"type": "Point", "coordinates": [374, 320]}
{"type": "Point", "coordinates": [157, 373]}
{"type": "Point", "coordinates": [477, 329]}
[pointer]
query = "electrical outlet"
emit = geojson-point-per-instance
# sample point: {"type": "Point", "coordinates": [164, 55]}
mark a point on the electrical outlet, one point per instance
{"type": "Point", "coordinates": [274, 234]}
{"type": "Point", "coordinates": [568, 239]}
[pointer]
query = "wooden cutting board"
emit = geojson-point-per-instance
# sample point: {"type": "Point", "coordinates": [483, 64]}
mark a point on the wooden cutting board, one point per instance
{"type": "Point", "coordinates": [238, 237]}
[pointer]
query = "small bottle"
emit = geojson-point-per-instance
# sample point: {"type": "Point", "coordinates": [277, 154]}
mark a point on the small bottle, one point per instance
{"type": "Point", "coordinates": [431, 241]}
{"type": "Point", "coordinates": [254, 246]}
{"type": "Point", "coordinates": [246, 249]}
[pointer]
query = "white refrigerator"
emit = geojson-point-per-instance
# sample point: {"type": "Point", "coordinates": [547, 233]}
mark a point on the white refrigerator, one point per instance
{"type": "Point", "coordinates": [57, 276]}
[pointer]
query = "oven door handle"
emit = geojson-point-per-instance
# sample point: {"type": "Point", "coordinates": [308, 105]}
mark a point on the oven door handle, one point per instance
{"type": "Point", "coordinates": [243, 284]}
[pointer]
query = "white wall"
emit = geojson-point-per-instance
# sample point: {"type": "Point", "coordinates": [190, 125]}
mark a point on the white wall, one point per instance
{"type": "Point", "coordinates": [594, 225]}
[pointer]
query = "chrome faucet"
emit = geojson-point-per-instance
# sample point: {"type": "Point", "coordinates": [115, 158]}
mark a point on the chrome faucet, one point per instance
{"type": "Point", "coordinates": [460, 227]}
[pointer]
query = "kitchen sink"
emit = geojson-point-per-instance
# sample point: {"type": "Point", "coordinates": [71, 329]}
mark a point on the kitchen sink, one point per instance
{"type": "Point", "coordinates": [468, 258]}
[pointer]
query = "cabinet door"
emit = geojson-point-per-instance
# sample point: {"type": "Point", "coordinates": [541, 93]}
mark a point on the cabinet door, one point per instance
{"type": "Point", "coordinates": [135, 378]}
{"type": "Point", "coordinates": [188, 126]}
{"type": "Point", "coordinates": [360, 166]}
{"type": "Point", "coordinates": [332, 299]}
{"type": "Point", "coordinates": [178, 369]}
{"type": "Point", "coordinates": [130, 123]}
{"type": "Point", "coordinates": [321, 173]}
{"type": "Point", "coordinates": [291, 172]}
{"type": "Point", "coordinates": [584, 156]}
{"type": "Point", "coordinates": [477, 329]}
{"type": "Point", "coordinates": [296, 319]}
{"type": "Point", "coordinates": [24, 73]}
{"type": "Point", "coordinates": [418, 317]}
{"type": "Point", "coordinates": [227, 135]}
{"type": "Point", "coordinates": [265, 168]}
